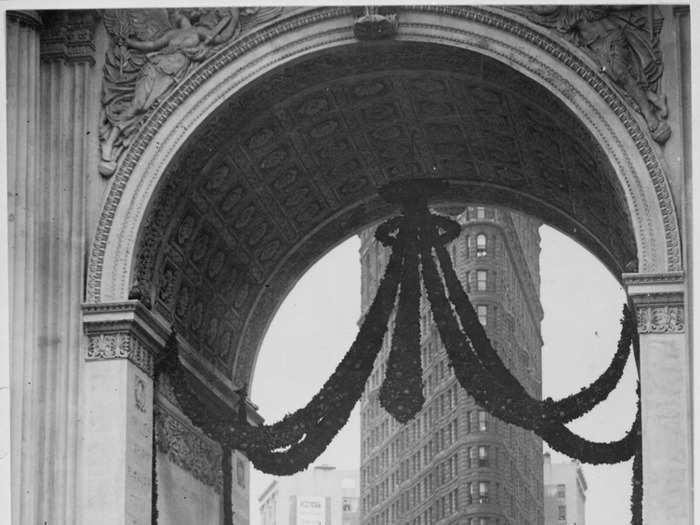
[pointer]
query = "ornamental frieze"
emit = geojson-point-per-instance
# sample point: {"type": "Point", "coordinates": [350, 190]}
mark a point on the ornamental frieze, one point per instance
{"type": "Point", "coordinates": [188, 448]}
{"type": "Point", "coordinates": [120, 345]}
{"type": "Point", "coordinates": [151, 51]}
{"type": "Point", "coordinates": [624, 42]}
{"type": "Point", "coordinates": [660, 319]}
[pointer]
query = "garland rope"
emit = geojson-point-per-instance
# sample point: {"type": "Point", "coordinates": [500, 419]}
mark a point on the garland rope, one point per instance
{"type": "Point", "coordinates": [497, 399]}
{"type": "Point", "coordinates": [566, 409]}
{"type": "Point", "coordinates": [401, 391]}
{"type": "Point", "coordinates": [309, 430]}
{"type": "Point", "coordinates": [416, 238]}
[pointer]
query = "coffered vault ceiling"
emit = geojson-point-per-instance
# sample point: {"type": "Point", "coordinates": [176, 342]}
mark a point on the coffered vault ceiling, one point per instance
{"type": "Point", "coordinates": [290, 166]}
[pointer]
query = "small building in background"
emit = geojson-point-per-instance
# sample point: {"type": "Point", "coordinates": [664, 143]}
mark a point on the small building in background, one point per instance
{"type": "Point", "coordinates": [321, 495]}
{"type": "Point", "coordinates": [564, 493]}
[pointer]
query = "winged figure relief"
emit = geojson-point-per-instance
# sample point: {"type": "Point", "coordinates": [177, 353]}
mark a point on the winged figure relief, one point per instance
{"type": "Point", "coordinates": [152, 51]}
{"type": "Point", "coordinates": [623, 41]}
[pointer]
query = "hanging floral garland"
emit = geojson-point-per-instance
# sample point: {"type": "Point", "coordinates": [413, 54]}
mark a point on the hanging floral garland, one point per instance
{"type": "Point", "coordinates": [309, 430]}
{"type": "Point", "coordinates": [291, 444]}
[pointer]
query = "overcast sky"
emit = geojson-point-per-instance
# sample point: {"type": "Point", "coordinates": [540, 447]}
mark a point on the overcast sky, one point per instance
{"type": "Point", "coordinates": [582, 303]}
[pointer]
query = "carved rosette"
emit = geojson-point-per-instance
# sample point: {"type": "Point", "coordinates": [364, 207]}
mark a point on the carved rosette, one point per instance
{"type": "Point", "coordinates": [659, 302]}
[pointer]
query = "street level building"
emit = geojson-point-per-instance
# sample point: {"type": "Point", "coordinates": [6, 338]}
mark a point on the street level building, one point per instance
{"type": "Point", "coordinates": [321, 495]}
{"type": "Point", "coordinates": [564, 493]}
{"type": "Point", "coordinates": [454, 463]}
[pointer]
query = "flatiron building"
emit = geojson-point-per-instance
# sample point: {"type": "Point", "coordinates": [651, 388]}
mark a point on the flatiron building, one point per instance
{"type": "Point", "coordinates": [454, 463]}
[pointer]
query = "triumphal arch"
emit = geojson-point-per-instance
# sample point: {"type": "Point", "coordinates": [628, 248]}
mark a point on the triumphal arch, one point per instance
{"type": "Point", "coordinates": [172, 173]}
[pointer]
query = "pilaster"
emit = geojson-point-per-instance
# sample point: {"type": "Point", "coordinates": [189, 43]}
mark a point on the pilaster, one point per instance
{"type": "Point", "coordinates": [659, 302]}
{"type": "Point", "coordinates": [121, 340]}
{"type": "Point", "coordinates": [23, 112]}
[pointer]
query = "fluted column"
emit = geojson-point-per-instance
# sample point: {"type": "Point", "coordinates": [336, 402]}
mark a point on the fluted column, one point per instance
{"type": "Point", "coordinates": [665, 368]}
{"type": "Point", "coordinates": [50, 107]}
{"type": "Point", "coordinates": [23, 112]}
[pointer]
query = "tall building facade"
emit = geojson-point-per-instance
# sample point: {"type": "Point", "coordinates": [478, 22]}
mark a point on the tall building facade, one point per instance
{"type": "Point", "coordinates": [454, 463]}
{"type": "Point", "coordinates": [564, 493]}
{"type": "Point", "coordinates": [320, 495]}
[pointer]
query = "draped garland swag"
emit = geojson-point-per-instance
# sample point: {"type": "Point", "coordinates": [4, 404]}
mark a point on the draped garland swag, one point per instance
{"type": "Point", "coordinates": [417, 240]}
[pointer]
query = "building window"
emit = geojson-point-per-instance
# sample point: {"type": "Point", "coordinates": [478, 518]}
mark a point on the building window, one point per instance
{"type": "Point", "coordinates": [562, 512]}
{"type": "Point", "coordinates": [481, 245]}
{"type": "Point", "coordinates": [483, 427]}
{"type": "Point", "coordinates": [483, 492]}
{"type": "Point", "coordinates": [481, 278]}
{"type": "Point", "coordinates": [480, 212]}
{"type": "Point", "coordinates": [482, 312]}
{"type": "Point", "coordinates": [483, 456]}
{"type": "Point", "coordinates": [471, 452]}
{"type": "Point", "coordinates": [561, 491]}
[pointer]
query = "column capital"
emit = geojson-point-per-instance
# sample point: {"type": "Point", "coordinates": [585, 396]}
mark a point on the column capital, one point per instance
{"type": "Point", "coordinates": [69, 35]}
{"type": "Point", "coordinates": [659, 301]}
{"type": "Point", "coordinates": [125, 330]}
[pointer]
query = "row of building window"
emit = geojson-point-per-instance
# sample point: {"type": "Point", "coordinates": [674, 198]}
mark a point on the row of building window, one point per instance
{"type": "Point", "coordinates": [477, 492]}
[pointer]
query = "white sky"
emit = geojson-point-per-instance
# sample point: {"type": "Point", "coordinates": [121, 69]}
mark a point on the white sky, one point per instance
{"type": "Point", "coordinates": [582, 303]}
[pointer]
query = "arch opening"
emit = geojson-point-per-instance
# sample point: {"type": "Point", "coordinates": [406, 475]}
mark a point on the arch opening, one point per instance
{"type": "Point", "coordinates": [291, 164]}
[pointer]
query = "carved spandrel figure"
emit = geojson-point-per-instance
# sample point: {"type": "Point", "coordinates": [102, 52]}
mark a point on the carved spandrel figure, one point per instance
{"type": "Point", "coordinates": [152, 51]}
{"type": "Point", "coordinates": [623, 41]}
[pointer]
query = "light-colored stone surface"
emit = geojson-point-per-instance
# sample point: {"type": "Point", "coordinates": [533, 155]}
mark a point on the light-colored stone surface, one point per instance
{"type": "Point", "coordinates": [666, 429]}
{"type": "Point", "coordinates": [23, 184]}
{"type": "Point", "coordinates": [117, 444]}
{"type": "Point", "coordinates": [182, 499]}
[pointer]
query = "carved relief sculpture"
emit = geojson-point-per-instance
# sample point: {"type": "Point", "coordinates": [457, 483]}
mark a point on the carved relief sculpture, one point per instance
{"type": "Point", "coordinates": [623, 40]}
{"type": "Point", "coordinates": [151, 51]}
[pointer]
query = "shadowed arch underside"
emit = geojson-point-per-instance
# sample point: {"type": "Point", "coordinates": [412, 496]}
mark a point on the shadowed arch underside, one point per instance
{"type": "Point", "coordinates": [291, 165]}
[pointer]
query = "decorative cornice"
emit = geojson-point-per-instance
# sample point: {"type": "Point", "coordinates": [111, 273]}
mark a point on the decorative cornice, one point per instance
{"type": "Point", "coordinates": [659, 301]}
{"type": "Point", "coordinates": [70, 36]}
{"type": "Point", "coordinates": [656, 288]}
{"type": "Point", "coordinates": [123, 330]}
{"type": "Point", "coordinates": [636, 279]}
{"type": "Point", "coordinates": [188, 448]}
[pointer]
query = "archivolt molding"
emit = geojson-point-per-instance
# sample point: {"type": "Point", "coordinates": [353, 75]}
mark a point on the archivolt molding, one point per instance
{"type": "Point", "coordinates": [332, 35]}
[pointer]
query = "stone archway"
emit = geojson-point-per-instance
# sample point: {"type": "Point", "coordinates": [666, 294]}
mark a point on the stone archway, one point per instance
{"type": "Point", "coordinates": [278, 186]}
